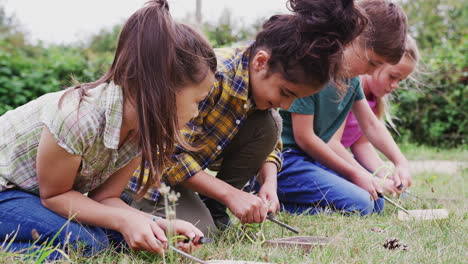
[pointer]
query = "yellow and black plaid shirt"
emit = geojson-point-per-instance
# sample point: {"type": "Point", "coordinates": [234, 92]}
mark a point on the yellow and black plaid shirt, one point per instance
{"type": "Point", "coordinates": [221, 115]}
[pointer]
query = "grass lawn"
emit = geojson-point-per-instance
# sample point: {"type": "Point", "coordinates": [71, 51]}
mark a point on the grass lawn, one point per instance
{"type": "Point", "coordinates": [414, 152]}
{"type": "Point", "coordinates": [433, 241]}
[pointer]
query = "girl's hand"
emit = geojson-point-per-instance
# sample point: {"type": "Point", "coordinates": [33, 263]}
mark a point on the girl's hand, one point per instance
{"type": "Point", "coordinates": [141, 233]}
{"type": "Point", "coordinates": [185, 228]}
{"type": "Point", "coordinates": [388, 186]}
{"type": "Point", "coordinates": [368, 183]}
{"type": "Point", "coordinates": [402, 176]}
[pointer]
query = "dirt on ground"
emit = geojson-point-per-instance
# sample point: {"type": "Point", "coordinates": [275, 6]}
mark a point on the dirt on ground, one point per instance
{"type": "Point", "coordinates": [437, 166]}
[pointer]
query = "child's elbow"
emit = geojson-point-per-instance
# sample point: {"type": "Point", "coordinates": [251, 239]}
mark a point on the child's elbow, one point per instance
{"type": "Point", "coordinates": [301, 141]}
{"type": "Point", "coordinates": [46, 202]}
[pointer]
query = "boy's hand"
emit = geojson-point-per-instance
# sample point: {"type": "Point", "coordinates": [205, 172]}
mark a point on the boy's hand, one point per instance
{"type": "Point", "coordinates": [247, 207]}
{"type": "Point", "coordinates": [268, 193]}
{"type": "Point", "coordinates": [388, 186]}
{"type": "Point", "coordinates": [268, 175]}
{"type": "Point", "coordinates": [368, 183]}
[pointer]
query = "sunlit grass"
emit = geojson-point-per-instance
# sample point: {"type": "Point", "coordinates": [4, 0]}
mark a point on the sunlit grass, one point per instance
{"type": "Point", "coordinates": [415, 152]}
{"type": "Point", "coordinates": [433, 241]}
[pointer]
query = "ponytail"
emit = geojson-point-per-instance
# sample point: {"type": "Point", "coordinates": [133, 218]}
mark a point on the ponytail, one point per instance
{"type": "Point", "coordinates": [147, 66]}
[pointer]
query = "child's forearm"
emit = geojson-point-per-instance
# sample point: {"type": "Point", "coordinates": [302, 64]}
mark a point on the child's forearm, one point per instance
{"type": "Point", "coordinates": [340, 150]}
{"type": "Point", "coordinates": [268, 173]}
{"type": "Point", "coordinates": [315, 147]}
{"type": "Point", "coordinates": [324, 154]}
{"type": "Point", "coordinates": [367, 156]}
{"type": "Point", "coordinates": [379, 136]}
{"type": "Point", "coordinates": [118, 203]}
{"type": "Point", "coordinates": [377, 133]}
{"type": "Point", "coordinates": [85, 210]}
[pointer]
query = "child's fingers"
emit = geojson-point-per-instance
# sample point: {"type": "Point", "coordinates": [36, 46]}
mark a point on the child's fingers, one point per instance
{"type": "Point", "coordinates": [189, 230]}
{"type": "Point", "coordinates": [377, 188]}
{"type": "Point", "coordinates": [187, 247]}
{"type": "Point", "coordinates": [265, 200]}
{"type": "Point", "coordinates": [155, 245]}
{"type": "Point", "coordinates": [374, 194]}
{"type": "Point", "coordinates": [158, 232]}
{"type": "Point", "coordinates": [198, 232]}
{"type": "Point", "coordinates": [377, 191]}
{"type": "Point", "coordinates": [409, 181]}
{"type": "Point", "coordinates": [397, 179]}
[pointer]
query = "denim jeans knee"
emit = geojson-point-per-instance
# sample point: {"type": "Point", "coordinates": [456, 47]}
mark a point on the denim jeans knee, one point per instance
{"type": "Point", "coordinates": [23, 214]}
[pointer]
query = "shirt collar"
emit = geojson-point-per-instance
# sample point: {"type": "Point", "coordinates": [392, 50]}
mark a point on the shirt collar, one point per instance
{"type": "Point", "coordinates": [240, 79]}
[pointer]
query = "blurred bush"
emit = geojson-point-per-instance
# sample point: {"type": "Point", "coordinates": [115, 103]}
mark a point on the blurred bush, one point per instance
{"type": "Point", "coordinates": [433, 112]}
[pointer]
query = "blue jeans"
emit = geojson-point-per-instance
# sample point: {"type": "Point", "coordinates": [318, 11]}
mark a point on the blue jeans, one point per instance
{"type": "Point", "coordinates": [306, 186]}
{"type": "Point", "coordinates": [22, 212]}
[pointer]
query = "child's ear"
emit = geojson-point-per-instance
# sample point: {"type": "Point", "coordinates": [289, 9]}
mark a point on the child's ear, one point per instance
{"type": "Point", "coordinates": [260, 60]}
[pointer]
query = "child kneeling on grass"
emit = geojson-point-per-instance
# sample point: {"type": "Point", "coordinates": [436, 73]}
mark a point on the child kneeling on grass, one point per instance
{"type": "Point", "coordinates": [316, 173]}
{"type": "Point", "coordinates": [294, 56]}
{"type": "Point", "coordinates": [90, 138]}
{"type": "Point", "coordinates": [376, 88]}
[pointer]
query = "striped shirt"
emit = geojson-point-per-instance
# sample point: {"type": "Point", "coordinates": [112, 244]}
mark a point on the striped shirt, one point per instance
{"type": "Point", "coordinates": [221, 115]}
{"type": "Point", "coordinates": [92, 131]}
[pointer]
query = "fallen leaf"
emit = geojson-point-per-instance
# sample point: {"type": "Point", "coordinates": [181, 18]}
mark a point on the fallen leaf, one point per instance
{"type": "Point", "coordinates": [377, 229]}
{"type": "Point", "coordinates": [34, 234]}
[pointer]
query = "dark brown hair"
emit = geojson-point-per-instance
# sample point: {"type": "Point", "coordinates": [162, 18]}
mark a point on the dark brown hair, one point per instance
{"type": "Point", "coordinates": [388, 26]}
{"type": "Point", "coordinates": [307, 46]}
{"type": "Point", "coordinates": [194, 54]}
{"type": "Point", "coordinates": [155, 57]}
{"type": "Point", "coordinates": [411, 49]}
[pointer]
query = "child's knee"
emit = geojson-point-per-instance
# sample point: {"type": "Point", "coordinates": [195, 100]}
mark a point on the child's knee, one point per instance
{"type": "Point", "coordinates": [367, 206]}
{"type": "Point", "coordinates": [363, 204]}
{"type": "Point", "coordinates": [379, 205]}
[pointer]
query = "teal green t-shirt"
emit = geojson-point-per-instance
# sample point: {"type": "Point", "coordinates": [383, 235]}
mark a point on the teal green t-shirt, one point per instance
{"type": "Point", "coordinates": [329, 108]}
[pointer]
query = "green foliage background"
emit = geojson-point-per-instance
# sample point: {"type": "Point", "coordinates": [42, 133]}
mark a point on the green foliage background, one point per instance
{"type": "Point", "coordinates": [433, 111]}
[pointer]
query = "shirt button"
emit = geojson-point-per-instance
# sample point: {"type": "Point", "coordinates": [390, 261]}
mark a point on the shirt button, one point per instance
{"type": "Point", "coordinates": [237, 121]}
{"type": "Point", "coordinates": [218, 147]}
{"type": "Point", "coordinates": [245, 106]}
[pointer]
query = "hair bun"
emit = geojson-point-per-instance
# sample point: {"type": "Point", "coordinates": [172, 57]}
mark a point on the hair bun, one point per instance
{"type": "Point", "coordinates": [163, 4]}
{"type": "Point", "coordinates": [311, 39]}
{"type": "Point", "coordinates": [347, 3]}
{"type": "Point", "coordinates": [332, 18]}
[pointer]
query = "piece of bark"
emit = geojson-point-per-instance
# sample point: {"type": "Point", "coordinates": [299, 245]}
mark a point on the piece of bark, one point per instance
{"type": "Point", "coordinates": [305, 242]}
{"type": "Point", "coordinates": [428, 214]}
{"type": "Point", "coordinates": [235, 262]}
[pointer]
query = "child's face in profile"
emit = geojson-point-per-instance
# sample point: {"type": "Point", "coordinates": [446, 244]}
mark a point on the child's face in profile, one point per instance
{"type": "Point", "coordinates": [189, 96]}
{"type": "Point", "coordinates": [388, 78]}
{"type": "Point", "coordinates": [272, 90]}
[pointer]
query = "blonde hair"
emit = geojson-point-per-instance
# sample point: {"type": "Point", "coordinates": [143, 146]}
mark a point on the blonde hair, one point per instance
{"type": "Point", "coordinates": [383, 103]}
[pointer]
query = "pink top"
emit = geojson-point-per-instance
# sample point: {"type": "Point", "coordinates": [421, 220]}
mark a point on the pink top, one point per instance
{"type": "Point", "coordinates": [352, 132]}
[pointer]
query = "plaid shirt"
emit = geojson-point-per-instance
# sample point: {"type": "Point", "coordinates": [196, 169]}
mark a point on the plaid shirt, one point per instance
{"type": "Point", "coordinates": [222, 113]}
{"type": "Point", "coordinates": [91, 131]}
